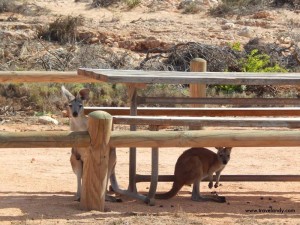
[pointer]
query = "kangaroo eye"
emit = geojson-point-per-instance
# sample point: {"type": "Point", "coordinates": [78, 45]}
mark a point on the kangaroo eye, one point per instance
{"type": "Point", "coordinates": [80, 106]}
{"type": "Point", "coordinates": [70, 105]}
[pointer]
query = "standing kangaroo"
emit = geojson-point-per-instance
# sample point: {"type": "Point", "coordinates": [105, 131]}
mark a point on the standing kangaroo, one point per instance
{"type": "Point", "coordinates": [193, 166]}
{"type": "Point", "coordinates": [78, 122]}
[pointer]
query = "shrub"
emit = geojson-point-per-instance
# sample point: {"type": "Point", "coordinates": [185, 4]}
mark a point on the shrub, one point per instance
{"type": "Point", "coordinates": [192, 8]}
{"type": "Point", "coordinates": [237, 7]}
{"type": "Point", "coordinates": [103, 3]}
{"type": "Point", "coordinates": [292, 3]}
{"type": "Point", "coordinates": [236, 46]}
{"type": "Point", "coordinates": [132, 3]}
{"type": "Point", "coordinates": [256, 62]}
{"type": "Point", "coordinates": [62, 30]}
{"type": "Point", "coordinates": [8, 6]}
{"type": "Point", "coordinates": [25, 8]}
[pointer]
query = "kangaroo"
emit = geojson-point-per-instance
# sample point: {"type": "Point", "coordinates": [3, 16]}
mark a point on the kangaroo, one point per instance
{"type": "Point", "coordinates": [78, 122]}
{"type": "Point", "coordinates": [193, 166]}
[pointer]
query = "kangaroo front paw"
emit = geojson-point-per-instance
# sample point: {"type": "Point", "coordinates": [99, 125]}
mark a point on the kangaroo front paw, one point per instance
{"type": "Point", "coordinates": [221, 199]}
{"type": "Point", "coordinates": [210, 184]}
{"type": "Point", "coordinates": [216, 185]}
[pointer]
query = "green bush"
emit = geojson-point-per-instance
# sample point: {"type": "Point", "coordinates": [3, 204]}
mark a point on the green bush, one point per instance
{"type": "Point", "coordinates": [254, 62]}
{"type": "Point", "coordinates": [259, 62]}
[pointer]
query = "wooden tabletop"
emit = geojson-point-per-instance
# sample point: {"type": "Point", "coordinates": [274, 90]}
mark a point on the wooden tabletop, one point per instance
{"type": "Point", "coordinates": [176, 77]}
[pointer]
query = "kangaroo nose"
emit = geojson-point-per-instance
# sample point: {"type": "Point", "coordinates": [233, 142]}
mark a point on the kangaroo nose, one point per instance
{"type": "Point", "coordinates": [75, 114]}
{"type": "Point", "coordinates": [224, 162]}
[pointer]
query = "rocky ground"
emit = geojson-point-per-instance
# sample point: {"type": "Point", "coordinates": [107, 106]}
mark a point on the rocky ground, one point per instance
{"type": "Point", "coordinates": [152, 24]}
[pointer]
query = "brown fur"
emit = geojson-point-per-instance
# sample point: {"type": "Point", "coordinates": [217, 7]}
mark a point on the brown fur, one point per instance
{"type": "Point", "coordinates": [194, 165]}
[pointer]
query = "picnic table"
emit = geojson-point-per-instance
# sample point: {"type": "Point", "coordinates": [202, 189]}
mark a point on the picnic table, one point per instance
{"type": "Point", "coordinates": [135, 79]}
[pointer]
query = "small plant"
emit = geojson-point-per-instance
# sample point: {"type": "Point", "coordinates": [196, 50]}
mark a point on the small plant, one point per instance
{"type": "Point", "coordinates": [230, 89]}
{"type": "Point", "coordinates": [256, 62]}
{"type": "Point", "coordinates": [192, 8]}
{"type": "Point", "coordinates": [132, 3]}
{"type": "Point", "coordinates": [220, 10]}
{"type": "Point", "coordinates": [236, 46]}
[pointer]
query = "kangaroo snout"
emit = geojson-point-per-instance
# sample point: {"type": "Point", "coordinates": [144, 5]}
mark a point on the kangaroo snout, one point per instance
{"type": "Point", "coordinates": [225, 162]}
{"type": "Point", "coordinates": [75, 114]}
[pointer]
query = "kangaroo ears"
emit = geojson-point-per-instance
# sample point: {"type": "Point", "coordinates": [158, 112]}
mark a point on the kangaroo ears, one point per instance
{"type": "Point", "coordinates": [67, 94]}
{"type": "Point", "coordinates": [84, 94]}
{"type": "Point", "coordinates": [224, 148]}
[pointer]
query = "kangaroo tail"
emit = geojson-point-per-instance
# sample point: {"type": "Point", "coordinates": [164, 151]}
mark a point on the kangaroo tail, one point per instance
{"type": "Point", "coordinates": [174, 190]}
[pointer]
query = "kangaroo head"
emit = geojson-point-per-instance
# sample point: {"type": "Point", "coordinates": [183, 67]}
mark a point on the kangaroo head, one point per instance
{"type": "Point", "coordinates": [224, 154]}
{"type": "Point", "coordinates": [75, 104]}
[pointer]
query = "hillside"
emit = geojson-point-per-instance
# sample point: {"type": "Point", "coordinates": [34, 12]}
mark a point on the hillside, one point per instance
{"type": "Point", "coordinates": [128, 33]}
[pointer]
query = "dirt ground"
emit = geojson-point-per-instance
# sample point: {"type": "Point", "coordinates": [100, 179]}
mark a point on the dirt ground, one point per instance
{"type": "Point", "coordinates": [38, 187]}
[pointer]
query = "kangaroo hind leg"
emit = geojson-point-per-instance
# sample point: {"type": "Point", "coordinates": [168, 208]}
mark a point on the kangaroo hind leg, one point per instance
{"type": "Point", "coordinates": [111, 172]}
{"type": "Point", "coordinates": [77, 167]}
{"type": "Point", "coordinates": [200, 198]}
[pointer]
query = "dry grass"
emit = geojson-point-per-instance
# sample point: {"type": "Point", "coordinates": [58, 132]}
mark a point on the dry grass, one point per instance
{"type": "Point", "coordinates": [62, 30]}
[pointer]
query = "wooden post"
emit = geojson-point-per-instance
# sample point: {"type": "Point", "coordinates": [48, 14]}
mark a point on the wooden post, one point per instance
{"type": "Point", "coordinates": [198, 90]}
{"type": "Point", "coordinates": [95, 162]}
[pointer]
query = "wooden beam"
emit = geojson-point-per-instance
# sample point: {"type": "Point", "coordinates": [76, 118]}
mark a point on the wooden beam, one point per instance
{"type": "Point", "coordinates": [220, 101]}
{"type": "Point", "coordinates": [155, 111]}
{"type": "Point", "coordinates": [230, 178]}
{"type": "Point", "coordinates": [208, 121]}
{"type": "Point", "coordinates": [43, 76]}
{"type": "Point", "coordinates": [95, 162]}
{"type": "Point", "coordinates": [47, 139]}
{"type": "Point", "coordinates": [206, 138]}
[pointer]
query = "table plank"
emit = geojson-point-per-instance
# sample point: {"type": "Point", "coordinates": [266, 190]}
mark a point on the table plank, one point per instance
{"type": "Point", "coordinates": [178, 77]}
{"type": "Point", "coordinates": [43, 77]}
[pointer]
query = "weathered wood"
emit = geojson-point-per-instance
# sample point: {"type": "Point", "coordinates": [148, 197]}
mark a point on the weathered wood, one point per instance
{"type": "Point", "coordinates": [230, 178]}
{"type": "Point", "coordinates": [208, 121]}
{"type": "Point", "coordinates": [163, 111]}
{"type": "Point", "coordinates": [132, 95]}
{"type": "Point", "coordinates": [198, 90]}
{"type": "Point", "coordinates": [43, 76]}
{"type": "Point", "coordinates": [47, 139]}
{"type": "Point", "coordinates": [220, 101]}
{"type": "Point", "coordinates": [95, 162]}
{"type": "Point", "coordinates": [206, 138]}
{"type": "Point", "coordinates": [178, 77]}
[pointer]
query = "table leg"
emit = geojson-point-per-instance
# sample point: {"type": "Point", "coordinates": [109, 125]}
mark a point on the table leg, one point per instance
{"type": "Point", "coordinates": [132, 151]}
{"type": "Point", "coordinates": [154, 177]}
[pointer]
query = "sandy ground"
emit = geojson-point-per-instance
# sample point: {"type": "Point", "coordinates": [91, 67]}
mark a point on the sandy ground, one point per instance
{"type": "Point", "coordinates": [38, 186]}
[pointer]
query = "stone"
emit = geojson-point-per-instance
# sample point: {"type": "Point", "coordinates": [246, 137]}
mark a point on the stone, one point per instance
{"type": "Point", "coordinates": [228, 26]}
{"type": "Point", "coordinates": [245, 32]}
{"type": "Point", "coordinates": [47, 120]}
